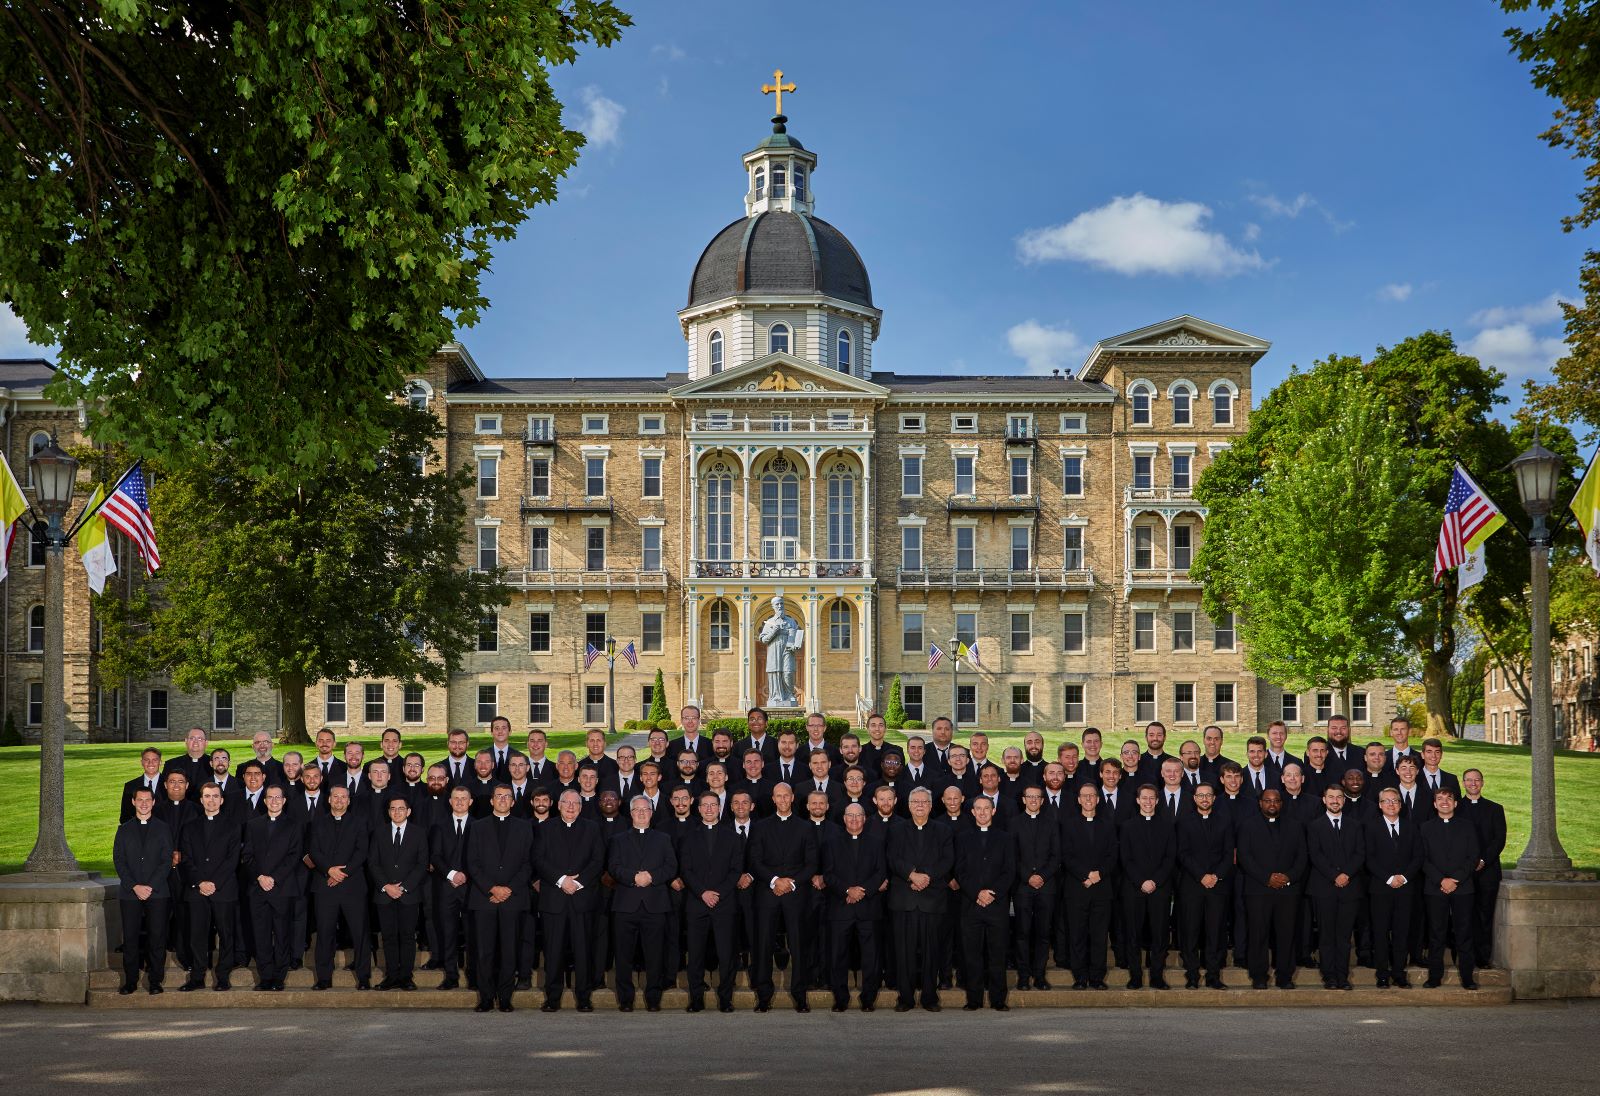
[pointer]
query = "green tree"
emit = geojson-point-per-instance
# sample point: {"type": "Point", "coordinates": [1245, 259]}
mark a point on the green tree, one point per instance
{"type": "Point", "coordinates": [248, 222]}
{"type": "Point", "coordinates": [658, 700]}
{"type": "Point", "coordinates": [1466, 688]}
{"type": "Point", "coordinates": [355, 573]}
{"type": "Point", "coordinates": [895, 714]}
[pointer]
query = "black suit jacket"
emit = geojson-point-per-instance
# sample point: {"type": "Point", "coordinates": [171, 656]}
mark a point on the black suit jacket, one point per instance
{"type": "Point", "coordinates": [449, 764]}
{"type": "Point", "coordinates": [1211, 771]}
{"type": "Point", "coordinates": [274, 848]}
{"type": "Point", "coordinates": [577, 851]}
{"type": "Point", "coordinates": [333, 774]}
{"type": "Point", "coordinates": [782, 848]}
{"type": "Point", "coordinates": [1150, 768]}
{"type": "Point", "coordinates": [847, 862]}
{"type": "Point", "coordinates": [1087, 846]}
{"type": "Point", "coordinates": [1489, 819]}
{"type": "Point", "coordinates": [337, 842]}
{"type": "Point", "coordinates": [1127, 803]}
{"type": "Point", "coordinates": [177, 816]}
{"type": "Point", "coordinates": [1038, 841]}
{"type": "Point", "coordinates": [834, 792]}
{"type": "Point", "coordinates": [1390, 856]}
{"type": "Point", "coordinates": [1338, 766]}
{"type": "Point", "coordinates": [768, 749]}
{"type": "Point", "coordinates": [295, 804]}
{"type": "Point", "coordinates": [198, 772]}
{"type": "Point", "coordinates": [272, 766]}
{"type": "Point", "coordinates": [1332, 853]}
{"type": "Point", "coordinates": [142, 856]}
{"type": "Point", "coordinates": [1420, 809]}
{"type": "Point", "coordinates": [210, 849]}
{"type": "Point", "coordinates": [1449, 851]}
{"type": "Point", "coordinates": [829, 750]}
{"type": "Point", "coordinates": [125, 811]}
{"type": "Point", "coordinates": [632, 851]}
{"type": "Point", "coordinates": [406, 864]}
{"type": "Point", "coordinates": [1147, 849]}
{"type": "Point", "coordinates": [711, 859]}
{"type": "Point", "coordinates": [702, 750]}
{"type": "Point", "coordinates": [1446, 780]}
{"type": "Point", "coordinates": [501, 854]}
{"type": "Point", "coordinates": [931, 851]}
{"type": "Point", "coordinates": [1266, 848]}
{"type": "Point", "coordinates": [1205, 846]}
{"type": "Point", "coordinates": [985, 860]}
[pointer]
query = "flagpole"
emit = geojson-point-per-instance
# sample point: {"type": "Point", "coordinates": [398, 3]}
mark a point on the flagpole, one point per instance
{"type": "Point", "coordinates": [89, 513]}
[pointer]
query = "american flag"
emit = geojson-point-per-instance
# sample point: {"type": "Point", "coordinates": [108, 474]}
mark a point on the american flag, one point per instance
{"type": "Point", "coordinates": [631, 655]}
{"type": "Point", "coordinates": [127, 509]}
{"type": "Point", "coordinates": [1469, 517]}
{"type": "Point", "coordinates": [935, 655]}
{"type": "Point", "coordinates": [590, 655]}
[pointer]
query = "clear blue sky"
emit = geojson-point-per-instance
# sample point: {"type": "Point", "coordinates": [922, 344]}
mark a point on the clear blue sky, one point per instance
{"type": "Point", "coordinates": [1023, 179]}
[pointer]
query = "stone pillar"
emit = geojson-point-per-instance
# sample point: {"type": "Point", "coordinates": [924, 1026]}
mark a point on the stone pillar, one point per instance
{"type": "Point", "coordinates": [691, 658]}
{"type": "Point", "coordinates": [865, 671]}
{"type": "Point", "coordinates": [50, 852]}
{"type": "Point", "coordinates": [1547, 935]}
{"type": "Point", "coordinates": [56, 929]}
{"type": "Point", "coordinates": [812, 701]}
{"type": "Point", "coordinates": [811, 512]}
{"type": "Point", "coordinates": [747, 641]}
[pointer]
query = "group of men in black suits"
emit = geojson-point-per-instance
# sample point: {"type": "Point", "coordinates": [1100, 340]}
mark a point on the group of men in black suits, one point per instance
{"type": "Point", "coordinates": [914, 867]}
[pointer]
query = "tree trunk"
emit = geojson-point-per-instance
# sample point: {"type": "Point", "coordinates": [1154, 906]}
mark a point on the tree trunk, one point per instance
{"type": "Point", "coordinates": [1436, 691]}
{"type": "Point", "coordinates": [292, 688]}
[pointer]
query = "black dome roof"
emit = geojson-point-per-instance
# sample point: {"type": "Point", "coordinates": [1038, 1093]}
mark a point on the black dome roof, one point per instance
{"type": "Point", "coordinates": [780, 252]}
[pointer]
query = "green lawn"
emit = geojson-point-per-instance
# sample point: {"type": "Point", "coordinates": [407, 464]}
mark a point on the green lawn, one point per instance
{"type": "Point", "coordinates": [95, 775]}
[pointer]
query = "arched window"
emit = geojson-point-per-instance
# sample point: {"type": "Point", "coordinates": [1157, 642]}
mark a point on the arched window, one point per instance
{"type": "Point", "coordinates": [844, 351]}
{"type": "Point", "coordinates": [1139, 398]}
{"type": "Point", "coordinates": [36, 628]}
{"type": "Point", "coordinates": [839, 625]}
{"type": "Point", "coordinates": [719, 516]}
{"type": "Point", "coordinates": [799, 182]}
{"type": "Point", "coordinates": [780, 182]}
{"type": "Point", "coordinates": [716, 352]}
{"type": "Point", "coordinates": [778, 338]}
{"type": "Point", "coordinates": [761, 183]}
{"type": "Point", "coordinates": [1222, 397]}
{"type": "Point", "coordinates": [36, 441]}
{"type": "Point", "coordinates": [418, 394]}
{"type": "Point", "coordinates": [721, 626]}
{"type": "Point", "coordinates": [780, 512]}
{"type": "Point", "coordinates": [841, 514]}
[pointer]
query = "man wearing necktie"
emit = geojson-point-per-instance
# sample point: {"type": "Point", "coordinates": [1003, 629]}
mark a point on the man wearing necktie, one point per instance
{"type": "Point", "coordinates": [336, 849]}
{"type": "Point", "coordinates": [149, 778]}
{"type": "Point", "coordinates": [458, 761]}
{"type": "Point", "coordinates": [273, 846]}
{"type": "Point", "coordinates": [1394, 870]}
{"type": "Point", "coordinates": [398, 867]}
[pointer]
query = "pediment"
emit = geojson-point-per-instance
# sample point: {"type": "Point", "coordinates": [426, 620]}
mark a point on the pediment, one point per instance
{"type": "Point", "coordinates": [1179, 335]}
{"type": "Point", "coordinates": [783, 375]}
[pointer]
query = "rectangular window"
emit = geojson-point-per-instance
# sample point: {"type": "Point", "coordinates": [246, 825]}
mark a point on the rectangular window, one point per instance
{"type": "Point", "coordinates": [489, 632]}
{"type": "Point", "coordinates": [910, 476]}
{"type": "Point", "coordinates": [1182, 547]}
{"type": "Point", "coordinates": [1021, 548]}
{"type": "Point", "coordinates": [539, 632]}
{"type": "Point", "coordinates": [1021, 476]}
{"type": "Point", "coordinates": [913, 424]}
{"type": "Point", "coordinates": [1324, 707]}
{"type": "Point", "coordinates": [1074, 632]}
{"type": "Point", "coordinates": [911, 547]}
{"type": "Point", "coordinates": [488, 703]}
{"type": "Point", "coordinates": [652, 424]}
{"type": "Point", "coordinates": [539, 478]}
{"type": "Point", "coordinates": [963, 424]}
{"type": "Point", "coordinates": [966, 548]}
{"type": "Point", "coordinates": [35, 703]}
{"type": "Point", "coordinates": [652, 478]}
{"type": "Point", "coordinates": [1072, 476]}
{"type": "Point", "coordinates": [1144, 547]}
{"type": "Point", "coordinates": [647, 694]}
{"type": "Point", "coordinates": [1072, 424]}
{"type": "Point", "coordinates": [1222, 407]}
{"type": "Point", "coordinates": [650, 545]}
{"type": "Point", "coordinates": [1072, 704]}
{"type": "Point", "coordinates": [1182, 478]}
{"type": "Point", "coordinates": [1183, 630]}
{"type": "Point", "coordinates": [488, 477]}
{"type": "Point", "coordinates": [222, 712]}
{"type": "Point", "coordinates": [1183, 702]}
{"type": "Point", "coordinates": [333, 709]}
{"type": "Point", "coordinates": [37, 546]}
{"type": "Point", "coordinates": [1019, 426]}
{"type": "Point", "coordinates": [967, 628]}
{"type": "Point", "coordinates": [1022, 704]}
{"type": "Point", "coordinates": [594, 477]}
{"type": "Point", "coordinates": [1144, 630]}
{"type": "Point", "coordinates": [839, 628]}
{"type": "Point", "coordinates": [539, 548]}
{"type": "Point", "coordinates": [967, 704]}
{"type": "Point", "coordinates": [1222, 697]}
{"type": "Point", "coordinates": [1182, 407]}
{"type": "Point", "coordinates": [372, 706]}
{"type": "Point", "coordinates": [650, 633]}
{"type": "Point", "coordinates": [911, 700]}
{"type": "Point", "coordinates": [911, 633]}
{"type": "Point", "coordinates": [1144, 702]}
{"type": "Point", "coordinates": [1289, 708]}
{"type": "Point", "coordinates": [1021, 633]}
{"type": "Point", "coordinates": [1143, 480]}
{"type": "Point", "coordinates": [966, 483]}
{"type": "Point", "coordinates": [1072, 548]}
{"type": "Point", "coordinates": [541, 428]}
{"type": "Point", "coordinates": [488, 547]}
{"type": "Point", "coordinates": [721, 626]}
{"type": "Point", "coordinates": [116, 709]}
{"type": "Point", "coordinates": [1223, 637]}
{"type": "Point", "coordinates": [1359, 710]}
{"type": "Point", "coordinates": [594, 630]}
{"type": "Point", "coordinates": [595, 424]}
{"type": "Point", "coordinates": [488, 424]}
{"type": "Point", "coordinates": [538, 704]}
{"type": "Point", "coordinates": [594, 703]}
{"type": "Point", "coordinates": [594, 548]}
{"type": "Point", "coordinates": [158, 709]}
{"type": "Point", "coordinates": [412, 708]}
{"type": "Point", "coordinates": [840, 420]}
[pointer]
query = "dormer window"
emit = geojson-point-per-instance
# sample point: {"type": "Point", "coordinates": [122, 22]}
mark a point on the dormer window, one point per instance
{"type": "Point", "coordinates": [761, 183]}
{"type": "Point", "coordinates": [780, 182]}
{"type": "Point", "coordinates": [715, 351]}
{"type": "Point", "coordinates": [844, 336]}
{"type": "Point", "coordinates": [778, 334]}
{"type": "Point", "coordinates": [799, 183]}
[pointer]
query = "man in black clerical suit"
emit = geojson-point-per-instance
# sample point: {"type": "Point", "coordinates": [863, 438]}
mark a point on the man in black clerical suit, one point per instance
{"type": "Point", "coordinates": [1037, 834]}
{"type": "Point", "coordinates": [150, 762]}
{"type": "Point", "coordinates": [1205, 883]}
{"type": "Point", "coordinates": [210, 872]}
{"type": "Point", "coordinates": [142, 855]}
{"type": "Point", "coordinates": [274, 843]}
{"type": "Point", "coordinates": [177, 810]}
{"type": "Point", "coordinates": [854, 867]}
{"type": "Point", "coordinates": [782, 858]}
{"type": "Point", "coordinates": [194, 763]}
{"type": "Point", "coordinates": [500, 859]}
{"type": "Point", "coordinates": [710, 862]}
{"type": "Point", "coordinates": [570, 857]}
{"type": "Point", "coordinates": [397, 866]}
{"type": "Point", "coordinates": [261, 754]}
{"type": "Point", "coordinates": [447, 854]}
{"type": "Point", "coordinates": [1336, 850]}
{"type": "Point", "coordinates": [1450, 855]}
{"type": "Point", "coordinates": [1088, 879]}
{"type": "Point", "coordinates": [1394, 877]}
{"type": "Point", "coordinates": [336, 852]}
{"type": "Point", "coordinates": [1272, 860]}
{"type": "Point", "coordinates": [643, 864]}
{"type": "Point", "coordinates": [1488, 818]}
{"type": "Point", "coordinates": [921, 857]}
{"type": "Point", "coordinates": [1147, 852]}
{"type": "Point", "coordinates": [985, 869]}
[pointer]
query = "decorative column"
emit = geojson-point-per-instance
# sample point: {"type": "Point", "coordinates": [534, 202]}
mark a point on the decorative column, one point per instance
{"type": "Point", "coordinates": [865, 678]}
{"type": "Point", "coordinates": [691, 672]}
{"type": "Point", "coordinates": [866, 514]}
{"type": "Point", "coordinates": [811, 508]}
{"type": "Point", "coordinates": [813, 698]}
{"type": "Point", "coordinates": [694, 510]}
{"type": "Point", "coordinates": [747, 643]}
{"type": "Point", "coordinates": [744, 514]}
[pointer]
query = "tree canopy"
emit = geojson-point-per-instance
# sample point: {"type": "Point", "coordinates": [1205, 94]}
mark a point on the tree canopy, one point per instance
{"type": "Point", "coordinates": [246, 222]}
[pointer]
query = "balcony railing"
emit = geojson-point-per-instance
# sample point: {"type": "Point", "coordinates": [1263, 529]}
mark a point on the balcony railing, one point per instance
{"type": "Point", "coordinates": [781, 568]}
{"type": "Point", "coordinates": [576, 579]}
{"type": "Point", "coordinates": [992, 504]}
{"type": "Point", "coordinates": [751, 424]}
{"type": "Point", "coordinates": [1165, 578]}
{"type": "Point", "coordinates": [1157, 494]}
{"type": "Point", "coordinates": [539, 435]}
{"type": "Point", "coordinates": [994, 578]}
{"type": "Point", "coordinates": [538, 504]}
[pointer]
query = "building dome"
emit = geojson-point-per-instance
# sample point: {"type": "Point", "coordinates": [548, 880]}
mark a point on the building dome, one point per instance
{"type": "Point", "coordinates": [780, 252]}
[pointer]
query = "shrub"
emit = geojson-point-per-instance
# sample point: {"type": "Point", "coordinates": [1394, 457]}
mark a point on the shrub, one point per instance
{"type": "Point", "coordinates": [895, 714]}
{"type": "Point", "coordinates": [658, 701]}
{"type": "Point", "coordinates": [913, 725]}
{"type": "Point", "coordinates": [666, 725]}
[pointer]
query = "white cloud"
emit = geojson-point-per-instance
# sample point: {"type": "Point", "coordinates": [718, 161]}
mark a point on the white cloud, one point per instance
{"type": "Point", "coordinates": [1252, 232]}
{"type": "Point", "coordinates": [671, 51]}
{"type": "Point", "coordinates": [1044, 347]}
{"type": "Point", "coordinates": [1395, 292]}
{"type": "Point", "coordinates": [1516, 349]}
{"type": "Point", "coordinates": [1539, 312]}
{"type": "Point", "coordinates": [1275, 206]}
{"type": "Point", "coordinates": [602, 118]}
{"type": "Point", "coordinates": [1140, 235]}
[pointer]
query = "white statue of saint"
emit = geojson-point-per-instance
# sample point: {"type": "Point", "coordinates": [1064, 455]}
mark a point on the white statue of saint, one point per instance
{"type": "Point", "coordinates": [782, 636]}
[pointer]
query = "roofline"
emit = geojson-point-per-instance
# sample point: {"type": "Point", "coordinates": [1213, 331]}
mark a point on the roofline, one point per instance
{"type": "Point", "coordinates": [460, 351]}
{"type": "Point", "coordinates": [1233, 341]}
{"type": "Point", "coordinates": [537, 398]}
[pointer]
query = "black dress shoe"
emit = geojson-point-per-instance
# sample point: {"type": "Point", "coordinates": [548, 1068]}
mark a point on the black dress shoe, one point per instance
{"type": "Point", "coordinates": [763, 1006]}
{"type": "Point", "coordinates": [696, 1006]}
{"type": "Point", "coordinates": [1259, 984]}
{"type": "Point", "coordinates": [222, 987]}
{"type": "Point", "coordinates": [621, 1008]}
{"type": "Point", "coordinates": [1080, 984]}
{"type": "Point", "coordinates": [725, 1008]}
{"type": "Point", "coordinates": [277, 985]}
{"type": "Point", "coordinates": [363, 985]}
{"type": "Point", "coordinates": [264, 987]}
{"type": "Point", "coordinates": [1382, 983]}
{"type": "Point", "coordinates": [933, 1006]}
{"type": "Point", "coordinates": [1136, 983]}
{"type": "Point", "coordinates": [1329, 983]}
{"type": "Point", "coordinates": [1191, 982]}
{"type": "Point", "coordinates": [125, 991]}
{"type": "Point", "coordinates": [1215, 983]}
{"type": "Point", "coordinates": [523, 984]}
{"type": "Point", "coordinates": [409, 983]}
{"type": "Point", "coordinates": [549, 1006]}
{"type": "Point", "coordinates": [322, 985]}
{"type": "Point", "coordinates": [868, 1006]}
{"type": "Point", "coordinates": [1159, 983]}
{"type": "Point", "coordinates": [295, 964]}
{"type": "Point", "coordinates": [1042, 983]}
{"type": "Point", "coordinates": [944, 983]}
{"type": "Point", "coordinates": [1022, 983]}
{"type": "Point", "coordinates": [971, 1006]}
{"type": "Point", "coordinates": [1469, 984]}
{"type": "Point", "coordinates": [386, 984]}
{"type": "Point", "coordinates": [482, 1006]}
{"type": "Point", "coordinates": [1432, 983]}
{"type": "Point", "coordinates": [585, 1006]}
{"type": "Point", "coordinates": [1286, 985]}
{"type": "Point", "coordinates": [802, 1006]}
{"type": "Point", "coordinates": [506, 1006]}
{"type": "Point", "coordinates": [653, 1008]}
{"type": "Point", "coordinates": [1002, 1007]}
{"type": "Point", "coordinates": [1098, 983]}
{"type": "Point", "coordinates": [450, 983]}
{"type": "Point", "coordinates": [154, 991]}
{"type": "Point", "coordinates": [840, 1006]}
{"type": "Point", "coordinates": [1402, 982]}
{"type": "Point", "coordinates": [903, 1007]}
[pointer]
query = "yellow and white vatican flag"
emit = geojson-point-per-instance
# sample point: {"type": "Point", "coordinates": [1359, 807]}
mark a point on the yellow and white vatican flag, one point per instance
{"type": "Point", "coordinates": [13, 504]}
{"type": "Point", "coordinates": [1586, 508]}
{"type": "Point", "coordinates": [94, 545]}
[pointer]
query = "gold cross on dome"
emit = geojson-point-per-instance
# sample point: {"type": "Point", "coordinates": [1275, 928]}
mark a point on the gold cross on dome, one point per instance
{"type": "Point", "coordinates": [777, 88]}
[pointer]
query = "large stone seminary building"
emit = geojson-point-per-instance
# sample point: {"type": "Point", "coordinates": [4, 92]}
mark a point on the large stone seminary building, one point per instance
{"type": "Point", "coordinates": [1047, 520]}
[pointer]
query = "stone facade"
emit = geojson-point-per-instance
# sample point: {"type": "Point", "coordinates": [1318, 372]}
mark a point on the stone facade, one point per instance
{"type": "Point", "coordinates": [1574, 691]}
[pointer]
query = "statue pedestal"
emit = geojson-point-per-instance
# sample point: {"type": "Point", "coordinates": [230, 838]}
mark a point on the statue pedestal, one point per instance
{"type": "Point", "coordinates": [55, 930]}
{"type": "Point", "coordinates": [1547, 934]}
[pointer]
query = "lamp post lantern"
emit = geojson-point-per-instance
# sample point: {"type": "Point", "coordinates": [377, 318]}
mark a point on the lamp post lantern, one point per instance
{"type": "Point", "coordinates": [1538, 471]}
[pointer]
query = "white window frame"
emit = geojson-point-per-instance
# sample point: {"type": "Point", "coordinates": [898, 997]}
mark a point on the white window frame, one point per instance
{"type": "Point", "coordinates": [493, 456]}
{"type": "Point", "coordinates": [660, 426]}
{"type": "Point", "coordinates": [1082, 616]}
{"type": "Point", "coordinates": [541, 428]}
{"type": "Point", "coordinates": [1155, 702]}
{"type": "Point", "coordinates": [919, 457]}
{"type": "Point", "coordinates": [645, 457]}
{"type": "Point", "coordinates": [913, 423]}
{"type": "Point", "coordinates": [328, 703]}
{"type": "Point", "coordinates": [596, 424]}
{"type": "Point", "coordinates": [964, 422]}
{"type": "Point", "coordinates": [1222, 384]}
{"type": "Point", "coordinates": [1187, 388]}
{"type": "Point", "coordinates": [486, 424]}
{"type": "Point", "coordinates": [1075, 422]}
{"type": "Point", "coordinates": [1135, 389]}
{"type": "Point", "coordinates": [405, 704]}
